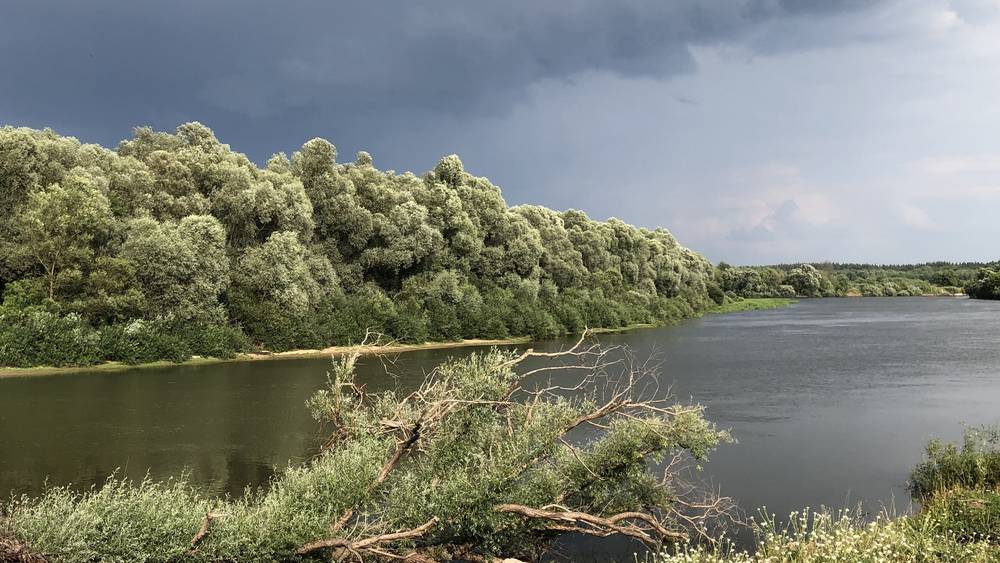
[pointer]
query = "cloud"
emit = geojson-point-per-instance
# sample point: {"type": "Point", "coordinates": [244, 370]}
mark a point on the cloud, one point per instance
{"type": "Point", "coordinates": [916, 217]}
{"type": "Point", "coordinates": [806, 127]}
{"type": "Point", "coordinates": [366, 69]}
{"type": "Point", "coordinates": [767, 228]}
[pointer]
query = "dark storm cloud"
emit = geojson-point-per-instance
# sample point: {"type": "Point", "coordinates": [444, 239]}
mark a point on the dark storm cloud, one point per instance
{"type": "Point", "coordinates": [267, 76]}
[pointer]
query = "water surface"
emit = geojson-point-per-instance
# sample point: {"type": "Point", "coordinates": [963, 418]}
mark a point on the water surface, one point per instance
{"type": "Point", "coordinates": [831, 400]}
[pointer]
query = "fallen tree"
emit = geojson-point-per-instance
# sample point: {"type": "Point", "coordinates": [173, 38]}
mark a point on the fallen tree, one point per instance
{"type": "Point", "coordinates": [493, 455]}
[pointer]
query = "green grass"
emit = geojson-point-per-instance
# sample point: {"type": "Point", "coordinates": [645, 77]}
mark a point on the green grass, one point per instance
{"type": "Point", "coordinates": [848, 537]}
{"type": "Point", "coordinates": [969, 515]}
{"type": "Point", "coordinates": [974, 465]}
{"type": "Point", "coordinates": [753, 304]}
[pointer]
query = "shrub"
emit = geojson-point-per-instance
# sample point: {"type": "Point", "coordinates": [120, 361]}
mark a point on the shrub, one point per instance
{"type": "Point", "coordinates": [118, 522]}
{"type": "Point", "coordinates": [715, 292]}
{"type": "Point", "coordinates": [945, 466]}
{"type": "Point", "coordinates": [786, 291]}
{"type": "Point", "coordinates": [33, 337]}
{"type": "Point", "coordinates": [141, 341]}
{"type": "Point", "coordinates": [213, 340]}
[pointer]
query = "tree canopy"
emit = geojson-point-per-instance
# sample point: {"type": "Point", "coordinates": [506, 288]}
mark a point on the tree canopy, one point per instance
{"type": "Point", "coordinates": [178, 229]}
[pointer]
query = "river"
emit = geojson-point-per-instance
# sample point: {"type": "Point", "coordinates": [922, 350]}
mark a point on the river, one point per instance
{"type": "Point", "coordinates": [831, 401]}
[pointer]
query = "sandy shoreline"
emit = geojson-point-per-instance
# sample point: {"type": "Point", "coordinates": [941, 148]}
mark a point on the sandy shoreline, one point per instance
{"type": "Point", "coordinates": [258, 357]}
{"type": "Point", "coordinates": [288, 355]}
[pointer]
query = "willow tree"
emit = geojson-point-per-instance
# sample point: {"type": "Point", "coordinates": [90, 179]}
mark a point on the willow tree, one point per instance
{"type": "Point", "coordinates": [118, 256]}
{"type": "Point", "coordinates": [62, 225]}
{"type": "Point", "coordinates": [487, 458]}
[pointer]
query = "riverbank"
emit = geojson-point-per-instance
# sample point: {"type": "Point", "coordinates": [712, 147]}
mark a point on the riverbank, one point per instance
{"type": "Point", "coordinates": [758, 304]}
{"type": "Point", "coordinates": [331, 351]}
{"type": "Point", "coordinates": [256, 357]}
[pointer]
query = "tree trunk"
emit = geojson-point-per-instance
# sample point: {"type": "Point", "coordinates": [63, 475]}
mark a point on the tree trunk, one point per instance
{"type": "Point", "coordinates": [52, 281]}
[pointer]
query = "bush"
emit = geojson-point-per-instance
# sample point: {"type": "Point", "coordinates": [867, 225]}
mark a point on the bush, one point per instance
{"type": "Point", "coordinates": [34, 337]}
{"type": "Point", "coordinates": [785, 291]}
{"type": "Point", "coordinates": [975, 466]}
{"type": "Point", "coordinates": [212, 340]}
{"type": "Point", "coordinates": [142, 341]}
{"type": "Point", "coordinates": [344, 320]}
{"type": "Point", "coordinates": [277, 329]}
{"type": "Point", "coordinates": [119, 522]}
{"type": "Point", "coordinates": [985, 286]}
{"type": "Point", "coordinates": [715, 292]}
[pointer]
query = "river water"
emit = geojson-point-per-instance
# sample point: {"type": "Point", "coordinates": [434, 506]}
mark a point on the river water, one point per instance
{"type": "Point", "coordinates": [831, 402]}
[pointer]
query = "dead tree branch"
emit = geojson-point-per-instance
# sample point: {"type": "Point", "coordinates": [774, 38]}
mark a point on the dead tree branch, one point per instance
{"type": "Point", "coordinates": [638, 525]}
{"type": "Point", "coordinates": [343, 546]}
{"type": "Point", "coordinates": [203, 530]}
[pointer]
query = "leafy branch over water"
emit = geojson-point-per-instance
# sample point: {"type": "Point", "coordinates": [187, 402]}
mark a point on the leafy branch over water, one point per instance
{"type": "Point", "coordinates": [495, 454]}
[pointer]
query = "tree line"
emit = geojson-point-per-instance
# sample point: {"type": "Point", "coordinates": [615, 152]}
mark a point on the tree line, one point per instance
{"type": "Point", "coordinates": [173, 245]}
{"type": "Point", "coordinates": [870, 280]}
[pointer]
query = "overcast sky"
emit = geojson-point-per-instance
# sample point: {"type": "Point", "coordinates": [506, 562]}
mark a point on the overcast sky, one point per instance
{"type": "Point", "coordinates": [758, 131]}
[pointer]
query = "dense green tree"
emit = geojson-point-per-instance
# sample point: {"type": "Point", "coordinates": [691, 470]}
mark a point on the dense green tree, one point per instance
{"type": "Point", "coordinates": [986, 285]}
{"type": "Point", "coordinates": [182, 266]}
{"type": "Point", "coordinates": [140, 242]}
{"type": "Point", "coordinates": [806, 280]}
{"type": "Point", "coordinates": [62, 225]}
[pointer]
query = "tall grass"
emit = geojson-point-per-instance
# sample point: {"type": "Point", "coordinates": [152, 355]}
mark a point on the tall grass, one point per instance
{"type": "Point", "coordinates": [824, 537]}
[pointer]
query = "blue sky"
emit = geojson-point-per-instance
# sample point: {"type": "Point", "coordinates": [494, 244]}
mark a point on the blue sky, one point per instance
{"type": "Point", "coordinates": [756, 130]}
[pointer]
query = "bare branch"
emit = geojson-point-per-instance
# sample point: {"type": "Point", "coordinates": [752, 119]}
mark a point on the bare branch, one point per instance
{"type": "Point", "coordinates": [203, 531]}
{"type": "Point", "coordinates": [366, 544]}
{"type": "Point", "coordinates": [638, 525]}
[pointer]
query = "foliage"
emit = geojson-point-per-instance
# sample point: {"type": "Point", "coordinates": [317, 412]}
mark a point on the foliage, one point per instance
{"type": "Point", "coordinates": [946, 466]}
{"type": "Point", "coordinates": [60, 225]}
{"type": "Point", "coordinates": [986, 284]}
{"type": "Point", "coordinates": [825, 537]}
{"type": "Point", "coordinates": [118, 522]}
{"type": "Point", "coordinates": [34, 336]}
{"type": "Point", "coordinates": [141, 341]}
{"type": "Point", "coordinates": [307, 252]}
{"type": "Point", "coordinates": [968, 515]}
{"type": "Point", "coordinates": [754, 304]}
{"type": "Point", "coordinates": [460, 467]}
{"type": "Point", "coordinates": [869, 280]}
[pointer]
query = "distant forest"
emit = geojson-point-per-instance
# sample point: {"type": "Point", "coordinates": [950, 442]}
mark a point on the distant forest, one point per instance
{"type": "Point", "coordinates": [173, 245]}
{"type": "Point", "coordinates": [827, 279]}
